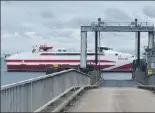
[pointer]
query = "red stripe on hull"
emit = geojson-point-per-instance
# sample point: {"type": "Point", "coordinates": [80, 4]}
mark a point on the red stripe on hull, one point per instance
{"type": "Point", "coordinates": [55, 61]}
{"type": "Point", "coordinates": [124, 67]}
{"type": "Point", "coordinates": [47, 54]}
{"type": "Point", "coordinates": [43, 67]}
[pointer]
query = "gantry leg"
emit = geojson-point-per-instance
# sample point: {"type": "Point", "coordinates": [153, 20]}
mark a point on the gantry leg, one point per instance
{"type": "Point", "coordinates": [138, 49]}
{"type": "Point", "coordinates": [83, 58]}
{"type": "Point", "coordinates": [96, 47]}
{"type": "Point", "coordinates": [151, 40]}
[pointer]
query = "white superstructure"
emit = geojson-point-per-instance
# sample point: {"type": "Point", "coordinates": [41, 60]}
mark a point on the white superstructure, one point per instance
{"type": "Point", "coordinates": [43, 57]}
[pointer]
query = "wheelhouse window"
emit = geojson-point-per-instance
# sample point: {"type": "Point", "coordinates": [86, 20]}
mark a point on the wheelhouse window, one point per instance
{"type": "Point", "coordinates": [64, 50]}
{"type": "Point", "coordinates": [59, 50]}
{"type": "Point", "coordinates": [72, 54]}
{"type": "Point", "coordinates": [101, 49]}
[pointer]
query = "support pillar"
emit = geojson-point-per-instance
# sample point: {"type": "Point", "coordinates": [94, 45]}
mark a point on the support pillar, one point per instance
{"type": "Point", "coordinates": [151, 40]}
{"type": "Point", "coordinates": [83, 59]}
{"type": "Point", "coordinates": [138, 49]}
{"type": "Point", "coordinates": [96, 48]}
{"type": "Point", "coordinates": [99, 44]}
{"type": "Point", "coordinates": [151, 55]}
{"type": "Point", "coordinates": [136, 42]}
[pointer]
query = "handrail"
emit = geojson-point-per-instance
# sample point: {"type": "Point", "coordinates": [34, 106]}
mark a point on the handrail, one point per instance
{"type": "Point", "coordinates": [149, 75]}
{"type": "Point", "coordinates": [30, 95]}
{"type": "Point", "coordinates": [38, 78]}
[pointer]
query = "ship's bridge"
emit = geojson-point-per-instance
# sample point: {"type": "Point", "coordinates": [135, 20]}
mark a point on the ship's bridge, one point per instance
{"type": "Point", "coordinates": [111, 52]}
{"type": "Point", "coordinates": [104, 48]}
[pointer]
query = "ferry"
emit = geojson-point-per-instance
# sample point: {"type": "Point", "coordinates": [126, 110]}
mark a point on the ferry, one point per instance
{"type": "Point", "coordinates": [5, 55]}
{"type": "Point", "coordinates": [43, 56]}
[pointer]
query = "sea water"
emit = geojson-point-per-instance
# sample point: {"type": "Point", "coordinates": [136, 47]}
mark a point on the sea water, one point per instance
{"type": "Point", "coordinates": [13, 77]}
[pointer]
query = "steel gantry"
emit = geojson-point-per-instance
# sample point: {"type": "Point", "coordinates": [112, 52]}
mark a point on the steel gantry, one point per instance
{"type": "Point", "coordinates": [102, 26]}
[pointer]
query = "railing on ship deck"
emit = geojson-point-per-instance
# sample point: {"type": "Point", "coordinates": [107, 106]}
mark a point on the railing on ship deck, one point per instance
{"type": "Point", "coordinates": [30, 95]}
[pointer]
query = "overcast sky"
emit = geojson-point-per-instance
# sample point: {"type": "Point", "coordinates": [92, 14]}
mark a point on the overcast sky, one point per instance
{"type": "Point", "coordinates": [24, 24]}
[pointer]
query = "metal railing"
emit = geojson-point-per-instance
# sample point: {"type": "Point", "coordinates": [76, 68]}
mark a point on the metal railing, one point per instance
{"type": "Point", "coordinates": [145, 79]}
{"type": "Point", "coordinates": [32, 94]}
{"type": "Point", "coordinates": [150, 79]}
{"type": "Point", "coordinates": [144, 24]}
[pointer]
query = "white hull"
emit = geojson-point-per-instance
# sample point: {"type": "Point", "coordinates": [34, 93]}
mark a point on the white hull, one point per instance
{"type": "Point", "coordinates": [40, 61]}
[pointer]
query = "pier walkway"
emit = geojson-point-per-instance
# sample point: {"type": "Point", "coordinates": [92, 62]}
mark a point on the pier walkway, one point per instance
{"type": "Point", "coordinates": [74, 91]}
{"type": "Point", "coordinates": [116, 96]}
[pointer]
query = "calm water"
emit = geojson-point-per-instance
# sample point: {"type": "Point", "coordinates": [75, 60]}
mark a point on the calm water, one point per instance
{"type": "Point", "coordinates": [117, 76]}
{"type": "Point", "coordinates": [12, 77]}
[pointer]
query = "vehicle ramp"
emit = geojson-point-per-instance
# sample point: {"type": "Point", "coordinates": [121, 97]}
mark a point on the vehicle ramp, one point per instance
{"type": "Point", "coordinates": [119, 83]}
{"type": "Point", "coordinates": [115, 96]}
{"type": "Point", "coordinates": [116, 93]}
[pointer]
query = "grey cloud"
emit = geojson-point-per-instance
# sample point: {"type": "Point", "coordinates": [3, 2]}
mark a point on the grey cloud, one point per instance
{"type": "Point", "coordinates": [127, 50]}
{"type": "Point", "coordinates": [54, 24]}
{"type": "Point", "coordinates": [22, 29]}
{"type": "Point", "coordinates": [149, 11]}
{"type": "Point", "coordinates": [78, 22]}
{"type": "Point", "coordinates": [65, 32]}
{"type": "Point", "coordinates": [74, 23]}
{"type": "Point", "coordinates": [47, 14]}
{"type": "Point", "coordinates": [116, 14]}
{"type": "Point", "coordinates": [130, 50]}
{"type": "Point", "coordinates": [13, 28]}
{"type": "Point", "coordinates": [61, 34]}
{"type": "Point", "coordinates": [16, 43]}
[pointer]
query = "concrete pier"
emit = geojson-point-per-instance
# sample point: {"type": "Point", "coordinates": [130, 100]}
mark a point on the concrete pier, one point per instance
{"type": "Point", "coordinates": [115, 100]}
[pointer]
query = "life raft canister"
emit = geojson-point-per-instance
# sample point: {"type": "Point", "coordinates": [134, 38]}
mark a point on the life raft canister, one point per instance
{"type": "Point", "coordinates": [56, 65]}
